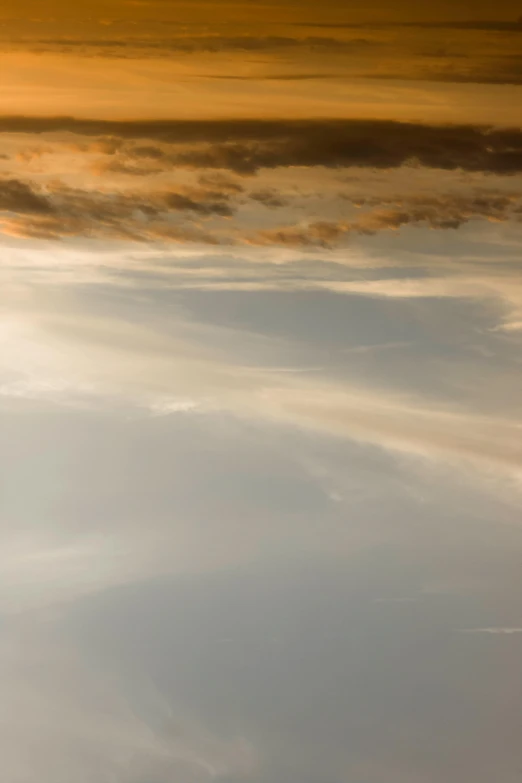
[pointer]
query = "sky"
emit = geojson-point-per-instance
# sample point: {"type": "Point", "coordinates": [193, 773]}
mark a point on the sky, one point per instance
{"type": "Point", "coordinates": [260, 391]}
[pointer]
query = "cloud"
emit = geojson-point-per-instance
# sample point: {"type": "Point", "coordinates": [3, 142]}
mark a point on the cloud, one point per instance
{"type": "Point", "coordinates": [508, 631]}
{"type": "Point", "coordinates": [128, 166]}
{"type": "Point", "coordinates": [487, 25]}
{"type": "Point", "coordinates": [458, 71]}
{"type": "Point", "coordinates": [131, 46]}
{"type": "Point", "coordinates": [246, 146]}
{"type": "Point", "coordinates": [218, 207]}
{"type": "Point", "coordinates": [448, 210]}
{"type": "Point", "coordinates": [208, 203]}
{"type": "Point", "coordinates": [19, 197]}
{"type": "Point", "coordinates": [269, 198]}
{"type": "Point", "coordinates": [222, 182]}
{"type": "Point", "coordinates": [170, 204]}
{"type": "Point", "coordinates": [445, 212]}
{"type": "Point", "coordinates": [60, 211]}
{"type": "Point", "coordinates": [472, 56]}
{"type": "Point", "coordinates": [159, 371]}
{"type": "Point", "coordinates": [372, 145]}
{"type": "Point", "coordinates": [317, 234]}
{"type": "Point", "coordinates": [273, 77]}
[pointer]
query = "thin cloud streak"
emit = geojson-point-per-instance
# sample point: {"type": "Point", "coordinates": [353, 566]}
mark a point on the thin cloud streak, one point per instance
{"type": "Point", "coordinates": [161, 373]}
{"type": "Point", "coordinates": [507, 631]}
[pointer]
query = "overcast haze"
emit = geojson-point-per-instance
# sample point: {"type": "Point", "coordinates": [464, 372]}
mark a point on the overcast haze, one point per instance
{"type": "Point", "coordinates": [260, 392]}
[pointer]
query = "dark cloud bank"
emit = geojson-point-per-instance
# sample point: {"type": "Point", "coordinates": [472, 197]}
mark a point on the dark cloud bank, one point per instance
{"type": "Point", "coordinates": [245, 146]}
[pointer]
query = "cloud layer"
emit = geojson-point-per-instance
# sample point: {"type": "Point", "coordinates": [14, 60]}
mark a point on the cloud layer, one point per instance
{"type": "Point", "coordinates": [252, 181]}
{"type": "Point", "coordinates": [247, 146]}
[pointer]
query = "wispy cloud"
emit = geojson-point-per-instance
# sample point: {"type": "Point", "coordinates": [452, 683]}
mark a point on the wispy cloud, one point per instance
{"type": "Point", "coordinates": [164, 374]}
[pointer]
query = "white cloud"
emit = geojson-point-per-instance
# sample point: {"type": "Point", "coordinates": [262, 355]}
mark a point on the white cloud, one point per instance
{"type": "Point", "coordinates": [52, 350]}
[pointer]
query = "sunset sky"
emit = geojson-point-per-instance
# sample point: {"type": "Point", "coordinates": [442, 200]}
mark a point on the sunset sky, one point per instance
{"type": "Point", "coordinates": [260, 391]}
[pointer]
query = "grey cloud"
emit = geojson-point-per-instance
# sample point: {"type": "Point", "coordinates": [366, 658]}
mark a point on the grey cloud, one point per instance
{"type": "Point", "coordinates": [459, 70]}
{"type": "Point", "coordinates": [269, 198]}
{"type": "Point", "coordinates": [222, 182]}
{"type": "Point", "coordinates": [130, 46]}
{"type": "Point", "coordinates": [19, 197]}
{"type": "Point", "coordinates": [246, 146]}
{"type": "Point", "coordinates": [443, 212]}
{"type": "Point", "coordinates": [482, 201]}
{"type": "Point", "coordinates": [211, 204]}
{"type": "Point", "coordinates": [381, 147]}
{"type": "Point", "coordinates": [476, 65]}
{"type": "Point", "coordinates": [108, 227]}
{"type": "Point", "coordinates": [448, 211]}
{"type": "Point", "coordinates": [318, 234]}
{"type": "Point", "coordinates": [491, 25]}
{"type": "Point", "coordinates": [488, 25]}
{"type": "Point", "coordinates": [60, 211]}
{"type": "Point", "coordinates": [276, 77]}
